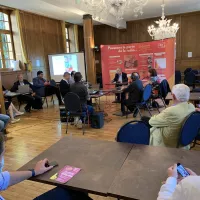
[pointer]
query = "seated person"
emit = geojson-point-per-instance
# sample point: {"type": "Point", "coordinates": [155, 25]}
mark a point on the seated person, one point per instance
{"type": "Point", "coordinates": [120, 77]}
{"type": "Point", "coordinates": [166, 126]}
{"type": "Point", "coordinates": [135, 91]}
{"type": "Point", "coordinates": [71, 80]}
{"type": "Point", "coordinates": [80, 89]}
{"type": "Point", "coordinates": [64, 84]}
{"type": "Point", "coordinates": [153, 78]}
{"type": "Point", "coordinates": [8, 179]}
{"type": "Point", "coordinates": [11, 109]}
{"type": "Point", "coordinates": [40, 83]}
{"type": "Point", "coordinates": [179, 188]}
{"type": "Point", "coordinates": [4, 120]}
{"type": "Point", "coordinates": [32, 99]}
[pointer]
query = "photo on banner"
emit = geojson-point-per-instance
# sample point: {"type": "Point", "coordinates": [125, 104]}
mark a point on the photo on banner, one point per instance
{"type": "Point", "coordinates": [139, 57]}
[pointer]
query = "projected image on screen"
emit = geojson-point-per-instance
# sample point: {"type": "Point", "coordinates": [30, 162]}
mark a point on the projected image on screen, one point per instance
{"type": "Point", "coordinates": [64, 63]}
{"type": "Point", "coordinates": [68, 62]}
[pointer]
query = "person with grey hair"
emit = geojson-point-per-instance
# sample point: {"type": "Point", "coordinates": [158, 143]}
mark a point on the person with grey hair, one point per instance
{"type": "Point", "coordinates": [166, 126]}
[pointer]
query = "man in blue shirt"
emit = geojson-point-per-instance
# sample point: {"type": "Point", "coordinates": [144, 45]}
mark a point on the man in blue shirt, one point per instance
{"type": "Point", "coordinates": [41, 84]}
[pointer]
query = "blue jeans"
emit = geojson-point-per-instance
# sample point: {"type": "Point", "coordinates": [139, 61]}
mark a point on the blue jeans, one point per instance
{"type": "Point", "coordinates": [4, 119]}
{"type": "Point", "coordinates": [63, 194]}
{"type": "Point", "coordinates": [88, 108]}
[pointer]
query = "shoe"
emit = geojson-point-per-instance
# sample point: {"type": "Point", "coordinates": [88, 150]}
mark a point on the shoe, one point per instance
{"type": "Point", "coordinates": [28, 110]}
{"type": "Point", "coordinates": [14, 121]}
{"type": "Point", "coordinates": [19, 114]}
{"type": "Point", "coordinates": [116, 101]}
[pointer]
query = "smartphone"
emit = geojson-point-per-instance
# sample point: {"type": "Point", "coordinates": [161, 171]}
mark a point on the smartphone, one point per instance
{"type": "Point", "coordinates": [182, 171]}
{"type": "Point", "coordinates": [54, 164]}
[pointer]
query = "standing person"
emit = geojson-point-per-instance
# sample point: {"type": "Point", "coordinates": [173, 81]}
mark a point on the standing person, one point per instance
{"type": "Point", "coordinates": [32, 99]}
{"type": "Point", "coordinates": [135, 91]}
{"type": "Point", "coordinates": [64, 84]}
{"type": "Point", "coordinates": [175, 189]}
{"type": "Point", "coordinates": [40, 83]}
{"type": "Point", "coordinates": [71, 80]}
{"type": "Point", "coordinates": [8, 179]}
{"type": "Point", "coordinates": [120, 79]}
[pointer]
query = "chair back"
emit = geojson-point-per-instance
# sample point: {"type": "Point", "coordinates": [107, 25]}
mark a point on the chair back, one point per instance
{"type": "Point", "coordinates": [190, 78]}
{"type": "Point", "coordinates": [190, 129]}
{"type": "Point", "coordinates": [72, 102]}
{"type": "Point", "coordinates": [177, 77]}
{"type": "Point", "coordinates": [164, 88]}
{"type": "Point", "coordinates": [187, 70]}
{"type": "Point", "coordinates": [147, 93]}
{"type": "Point", "coordinates": [134, 132]}
{"type": "Point", "coordinates": [195, 71]}
{"type": "Point", "coordinates": [48, 91]}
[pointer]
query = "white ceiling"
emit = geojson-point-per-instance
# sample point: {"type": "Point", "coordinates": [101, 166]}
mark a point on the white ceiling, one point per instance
{"type": "Point", "coordinates": [69, 11]}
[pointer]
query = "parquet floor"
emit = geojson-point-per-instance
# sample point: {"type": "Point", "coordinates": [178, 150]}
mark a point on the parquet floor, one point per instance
{"type": "Point", "coordinates": [38, 131]}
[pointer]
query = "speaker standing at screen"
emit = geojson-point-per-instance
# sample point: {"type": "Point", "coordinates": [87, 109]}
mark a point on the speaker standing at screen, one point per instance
{"type": "Point", "coordinates": [41, 85]}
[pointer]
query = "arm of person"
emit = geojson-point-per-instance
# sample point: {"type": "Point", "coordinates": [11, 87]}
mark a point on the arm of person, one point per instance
{"type": "Point", "coordinates": [126, 78]}
{"type": "Point", "coordinates": [8, 179]}
{"type": "Point", "coordinates": [167, 189]}
{"type": "Point", "coordinates": [14, 88]}
{"type": "Point", "coordinates": [161, 120]}
{"type": "Point", "coordinates": [115, 79]}
{"type": "Point", "coordinates": [128, 89]}
{"type": "Point", "coordinates": [37, 84]}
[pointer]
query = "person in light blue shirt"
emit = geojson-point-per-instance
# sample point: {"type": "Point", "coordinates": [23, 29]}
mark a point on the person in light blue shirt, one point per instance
{"type": "Point", "coordinates": [8, 179]}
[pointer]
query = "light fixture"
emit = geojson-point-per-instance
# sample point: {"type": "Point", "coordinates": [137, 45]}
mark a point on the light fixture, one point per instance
{"type": "Point", "coordinates": [117, 8]}
{"type": "Point", "coordinates": [164, 29]}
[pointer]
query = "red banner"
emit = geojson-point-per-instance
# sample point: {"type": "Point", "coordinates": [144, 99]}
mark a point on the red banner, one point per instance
{"type": "Point", "coordinates": [139, 57]}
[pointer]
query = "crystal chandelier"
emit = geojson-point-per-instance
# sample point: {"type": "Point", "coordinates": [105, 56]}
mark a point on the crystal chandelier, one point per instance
{"type": "Point", "coordinates": [102, 8]}
{"type": "Point", "coordinates": [164, 29]}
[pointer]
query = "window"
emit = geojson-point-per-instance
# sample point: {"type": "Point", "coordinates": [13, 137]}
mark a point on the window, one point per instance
{"type": "Point", "coordinates": [67, 39]}
{"type": "Point", "coordinates": [6, 41]}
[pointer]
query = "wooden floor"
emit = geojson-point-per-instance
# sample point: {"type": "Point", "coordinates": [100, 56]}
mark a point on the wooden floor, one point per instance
{"type": "Point", "coordinates": [38, 131]}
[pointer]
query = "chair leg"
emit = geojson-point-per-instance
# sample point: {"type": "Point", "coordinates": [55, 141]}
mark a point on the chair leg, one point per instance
{"type": "Point", "coordinates": [52, 99]}
{"type": "Point", "coordinates": [83, 126]}
{"type": "Point", "coordinates": [67, 125]}
{"type": "Point", "coordinates": [46, 102]}
{"type": "Point", "coordinates": [19, 105]}
{"type": "Point", "coordinates": [194, 144]}
{"type": "Point", "coordinates": [164, 102]}
{"type": "Point", "coordinates": [139, 111]}
{"type": "Point", "coordinates": [127, 113]}
{"type": "Point", "coordinates": [148, 110]}
{"type": "Point", "coordinates": [157, 108]}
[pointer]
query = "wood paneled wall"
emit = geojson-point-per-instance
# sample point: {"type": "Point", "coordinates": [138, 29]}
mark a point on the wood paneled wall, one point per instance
{"type": "Point", "coordinates": [43, 36]}
{"type": "Point", "coordinates": [188, 37]}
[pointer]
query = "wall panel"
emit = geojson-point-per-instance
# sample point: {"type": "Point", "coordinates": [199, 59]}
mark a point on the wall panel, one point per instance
{"type": "Point", "coordinates": [187, 39]}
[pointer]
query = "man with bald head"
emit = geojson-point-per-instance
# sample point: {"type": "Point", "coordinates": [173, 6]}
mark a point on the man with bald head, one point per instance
{"type": "Point", "coordinates": [120, 79]}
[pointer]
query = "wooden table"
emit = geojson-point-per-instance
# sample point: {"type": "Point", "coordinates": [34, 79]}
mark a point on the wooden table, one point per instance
{"type": "Point", "coordinates": [194, 96]}
{"type": "Point", "coordinates": [100, 162]}
{"type": "Point", "coordinates": [145, 168]}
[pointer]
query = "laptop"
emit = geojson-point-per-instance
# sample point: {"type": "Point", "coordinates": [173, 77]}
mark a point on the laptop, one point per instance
{"type": "Point", "coordinates": [23, 89]}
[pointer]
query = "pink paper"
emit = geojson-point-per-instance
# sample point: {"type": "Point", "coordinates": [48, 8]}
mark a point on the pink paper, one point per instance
{"type": "Point", "coordinates": [65, 174]}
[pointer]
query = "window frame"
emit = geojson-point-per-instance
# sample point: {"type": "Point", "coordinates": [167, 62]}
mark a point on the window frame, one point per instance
{"type": "Point", "coordinates": [10, 32]}
{"type": "Point", "coordinates": [67, 39]}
